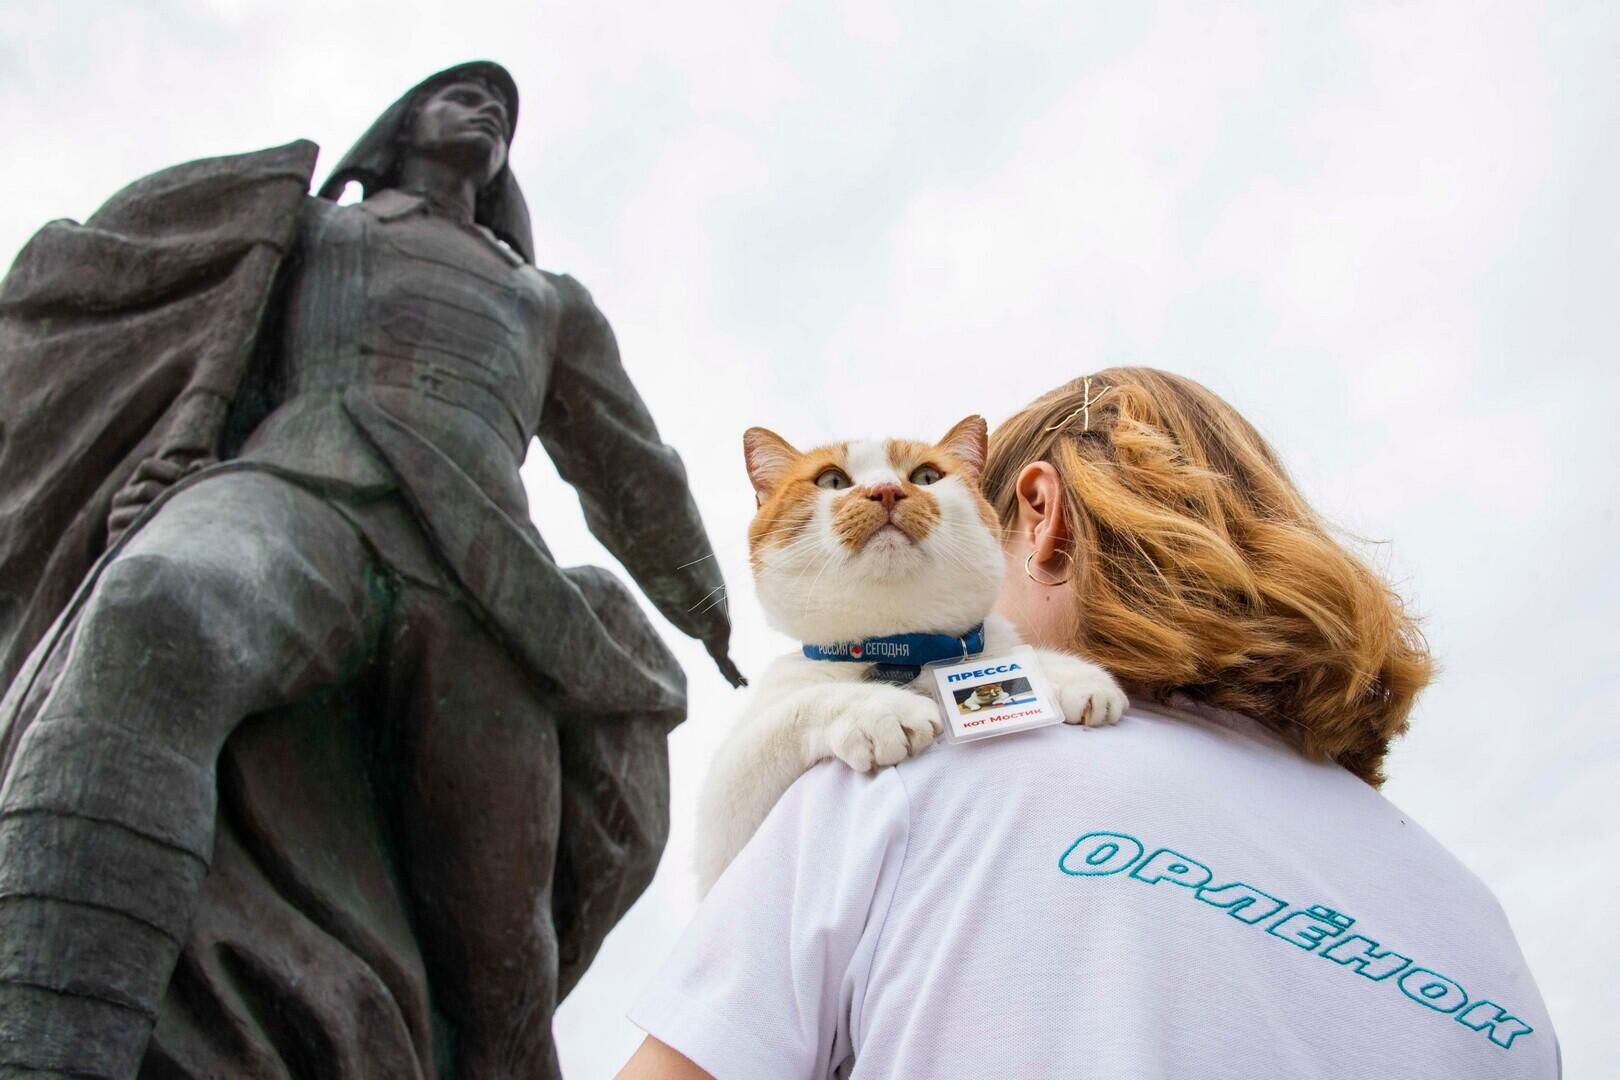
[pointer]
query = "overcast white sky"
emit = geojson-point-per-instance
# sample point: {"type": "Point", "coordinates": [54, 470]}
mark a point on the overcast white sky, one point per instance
{"type": "Point", "coordinates": [1386, 232]}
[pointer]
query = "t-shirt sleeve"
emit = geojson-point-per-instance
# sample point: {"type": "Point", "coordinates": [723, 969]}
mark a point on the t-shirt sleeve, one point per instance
{"type": "Point", "coordinates": [766, 980]}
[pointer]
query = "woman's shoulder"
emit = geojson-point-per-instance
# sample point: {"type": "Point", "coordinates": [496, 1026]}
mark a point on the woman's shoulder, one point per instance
{"type": "Point", "coordinates": [880, 792]}
{"type": "Point", "coordinates": [1155, 759]}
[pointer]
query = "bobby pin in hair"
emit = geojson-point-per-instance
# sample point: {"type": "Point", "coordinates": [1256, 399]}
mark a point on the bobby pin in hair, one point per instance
{"type": "Point", "coordinates": [1086, 402]}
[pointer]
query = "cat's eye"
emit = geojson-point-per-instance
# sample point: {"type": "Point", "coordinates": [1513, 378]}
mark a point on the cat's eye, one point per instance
{"type": "Point", "coordinates": [832, 480]}
{"type": "Point", "coordinates": [925, 474]}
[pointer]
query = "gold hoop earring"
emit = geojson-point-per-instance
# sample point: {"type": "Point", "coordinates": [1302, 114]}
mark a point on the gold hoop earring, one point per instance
{"type": "Point", "coordinates": [1061, 581]}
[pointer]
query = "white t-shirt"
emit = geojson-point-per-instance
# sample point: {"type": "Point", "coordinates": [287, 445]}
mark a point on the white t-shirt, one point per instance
{"type": "Point", "coordinates": [1179, 896]}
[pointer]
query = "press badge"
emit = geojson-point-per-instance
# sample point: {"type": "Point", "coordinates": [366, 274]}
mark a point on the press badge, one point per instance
{"type": "Point", "coordinates": [994, 695]}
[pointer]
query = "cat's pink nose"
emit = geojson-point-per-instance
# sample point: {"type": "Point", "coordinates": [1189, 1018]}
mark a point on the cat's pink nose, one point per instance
{"type": "Point", "coordinates": [887, 494]}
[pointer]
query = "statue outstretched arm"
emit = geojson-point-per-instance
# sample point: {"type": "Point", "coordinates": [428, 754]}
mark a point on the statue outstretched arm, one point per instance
{"type": "Point", "coordinates": [631, 485]}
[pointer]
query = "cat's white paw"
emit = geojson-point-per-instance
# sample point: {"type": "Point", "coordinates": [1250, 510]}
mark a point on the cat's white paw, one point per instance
{"type": "Point", "coordinates": [1086, 693]}
{"type": "Point", "coordinates": [885, 731]}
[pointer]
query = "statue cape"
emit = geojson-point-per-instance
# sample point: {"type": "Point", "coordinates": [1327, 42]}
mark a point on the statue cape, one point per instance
{"type": "Point", "coordinates": [119, 337]}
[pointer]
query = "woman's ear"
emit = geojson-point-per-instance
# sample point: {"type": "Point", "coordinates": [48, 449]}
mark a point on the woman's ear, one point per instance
{"type": "Point", "coordinates": [1040, 520]}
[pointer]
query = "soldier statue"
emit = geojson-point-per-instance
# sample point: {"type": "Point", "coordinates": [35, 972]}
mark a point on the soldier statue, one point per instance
{"type": "Point", "coordinates": [314, 762]}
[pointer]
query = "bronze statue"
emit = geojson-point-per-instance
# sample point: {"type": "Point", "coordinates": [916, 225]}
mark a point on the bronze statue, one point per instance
{"type": "Point", "coordinates": [314, 762]}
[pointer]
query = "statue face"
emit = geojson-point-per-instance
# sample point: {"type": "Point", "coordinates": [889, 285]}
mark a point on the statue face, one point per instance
{"type": "Point", "coordinates": [463, 124]}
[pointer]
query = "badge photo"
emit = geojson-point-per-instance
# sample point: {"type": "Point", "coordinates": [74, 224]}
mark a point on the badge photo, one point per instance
{"type": "Point", "coordinates": [994, 695]}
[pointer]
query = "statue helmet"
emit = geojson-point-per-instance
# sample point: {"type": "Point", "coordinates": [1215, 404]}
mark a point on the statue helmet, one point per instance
{"type": "Point", "coordinates": [373, 162]}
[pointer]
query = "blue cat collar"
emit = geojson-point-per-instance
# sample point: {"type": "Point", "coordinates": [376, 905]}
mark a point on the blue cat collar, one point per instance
{"type": "Point", "coordinates": [910, 650]}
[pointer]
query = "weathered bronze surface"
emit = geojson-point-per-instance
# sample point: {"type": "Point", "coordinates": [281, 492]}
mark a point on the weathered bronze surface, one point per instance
{"type": "Point", "coordinates": [315, 762]}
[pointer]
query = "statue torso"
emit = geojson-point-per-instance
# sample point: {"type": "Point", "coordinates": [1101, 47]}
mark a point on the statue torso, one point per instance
{"type": "Point", "coordinates": [435, 320]}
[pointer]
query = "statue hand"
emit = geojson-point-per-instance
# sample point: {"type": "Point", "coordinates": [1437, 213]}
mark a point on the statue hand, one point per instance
{"type": "Point", "coordinates": [722, 660]}
{"type": "Point", "coordinates": [150, 479]}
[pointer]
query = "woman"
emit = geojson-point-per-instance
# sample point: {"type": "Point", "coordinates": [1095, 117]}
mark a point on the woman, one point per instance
{"type": "Point", "coordinates": [1214, 888]}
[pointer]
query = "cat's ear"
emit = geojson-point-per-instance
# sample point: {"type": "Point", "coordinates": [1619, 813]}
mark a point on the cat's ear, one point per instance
{"type": "Point", "coordinates": [769, 456]}
{"type": "Point", "coordinates": [969, 443]}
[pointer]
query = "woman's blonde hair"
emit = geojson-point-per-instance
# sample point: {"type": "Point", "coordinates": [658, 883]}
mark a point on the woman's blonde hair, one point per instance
{"type": "Point", "coordinates": [1199, 568]}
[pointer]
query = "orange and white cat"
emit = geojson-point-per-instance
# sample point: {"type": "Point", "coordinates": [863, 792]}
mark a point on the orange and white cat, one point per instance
{"type": "Point", "coordinates": [984, 697]}
{"type": "Point", "coordinates": [855, 541]}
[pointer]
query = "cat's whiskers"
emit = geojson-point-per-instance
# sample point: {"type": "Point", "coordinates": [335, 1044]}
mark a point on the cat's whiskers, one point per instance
{"type": "Point", "coordinates": [954, 549]}
{"type": "Point", "coordinates": [808, 539]}
{"type": "Point", "coordinates": [809, 594]}
{"type": "Point", "coordinates": [784, 528]}
{"type": "Point", "coordinates": [793, 548]}
{"type": "Point", "coordinates": [705, 596]}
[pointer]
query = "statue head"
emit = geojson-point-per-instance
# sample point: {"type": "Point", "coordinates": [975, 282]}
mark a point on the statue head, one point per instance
{"type": "Point", "coordinates": [463, 123]}
{"type": "Point", "coordinates": [464, 115]}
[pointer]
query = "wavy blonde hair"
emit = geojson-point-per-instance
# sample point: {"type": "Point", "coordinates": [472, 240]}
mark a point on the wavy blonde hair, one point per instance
{"type": "Point", "coordinates": [1199, 567]}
